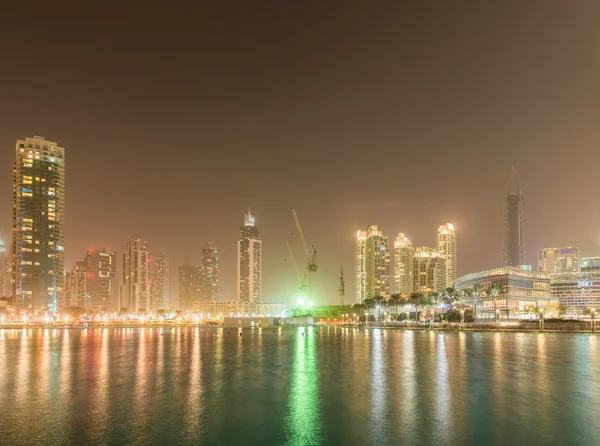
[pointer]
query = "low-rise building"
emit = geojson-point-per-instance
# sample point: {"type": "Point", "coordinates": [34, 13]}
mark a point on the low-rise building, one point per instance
{"type": "Point", "coordinates": [578, 291]}
{"type": "Point", "coordinates": [519, 289]}
{"type": "Point", "coordinates": [237, 308]}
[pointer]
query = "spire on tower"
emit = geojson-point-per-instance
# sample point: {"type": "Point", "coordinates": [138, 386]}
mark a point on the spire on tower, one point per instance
{"type": "Point", "coordinates": [513, 187]}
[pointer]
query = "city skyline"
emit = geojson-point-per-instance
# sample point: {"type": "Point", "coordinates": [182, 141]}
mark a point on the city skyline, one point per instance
{"type": "Point", "coordinates": [301, 129]}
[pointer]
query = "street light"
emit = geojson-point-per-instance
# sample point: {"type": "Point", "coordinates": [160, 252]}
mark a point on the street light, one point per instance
{"type": "Point", "coordinates": [462, 319]}
{"type": "Point", "coordinates": [497, 318]}
{"type": "Point", "coordinates": [593, 311]}
{"type": "Point", "coordinates": [541, 319]}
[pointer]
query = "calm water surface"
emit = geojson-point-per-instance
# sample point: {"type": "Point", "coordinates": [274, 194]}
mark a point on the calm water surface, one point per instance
{"type": "Point", "coordinates": [305, 386]}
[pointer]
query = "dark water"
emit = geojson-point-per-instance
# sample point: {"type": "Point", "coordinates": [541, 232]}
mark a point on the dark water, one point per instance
{"type": "Point", "coordinates": [336, 386]}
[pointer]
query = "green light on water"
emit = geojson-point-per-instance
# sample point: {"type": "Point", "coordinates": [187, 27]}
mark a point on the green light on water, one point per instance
{"type": "Point", "coordinates": [304, 409]}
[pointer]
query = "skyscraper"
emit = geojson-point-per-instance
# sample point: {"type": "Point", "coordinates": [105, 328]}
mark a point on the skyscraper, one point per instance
{"type": "Point", "coordinates": [249, 249]}
{"type": "Point", "coordinates": [189, 286]}
{"type": "Point", "coordinates": [135, 290]}
{"type": "Point", "coordinates": [403, 265]}
{"type": "Point", "coordinates": [210, 273]}
{"type": "Point", "coordinates": [38, 228]}
{"type": "Point", "coordinates": [360, 293]}
{"type": "Point", "coordinates": [102, 289]}
{"type": "Point", "coordinates": [514, 250]}
{"type": "Point", "coordinates": [559, 260]}
{"type": "Point", "coordinates": [161, 285]}
{"type": "Point", "coordinates": [76, 285]}
{"type": "Point", "coordinates": [377, 263]}
{"type": "Point", "coordinates": [446, 245]}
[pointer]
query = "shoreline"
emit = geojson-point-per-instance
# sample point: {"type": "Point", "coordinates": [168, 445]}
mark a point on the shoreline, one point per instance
{"type": "Point", "coordinates": [41, 326]}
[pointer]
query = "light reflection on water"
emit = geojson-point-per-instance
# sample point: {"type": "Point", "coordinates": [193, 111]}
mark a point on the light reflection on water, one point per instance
{"type": "Point", "coordinates": [297, 386]}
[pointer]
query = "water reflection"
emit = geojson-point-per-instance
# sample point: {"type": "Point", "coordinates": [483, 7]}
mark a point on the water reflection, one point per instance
{"type": "Point", "coordinates": [303, 421]}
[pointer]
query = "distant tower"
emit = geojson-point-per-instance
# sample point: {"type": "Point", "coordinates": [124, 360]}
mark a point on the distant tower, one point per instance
{"type": "Point", "coordinates": [446, 245]}
{"type": "Point", "coordinates": [403, 265]}
{"type": "Point", "coordinates": [161, 284]}
{"type": "Point", "coordinates": [101, 280]}
{"type": "Point", "coordinates": [210, 273]}
{"type": "Point", "coordinates": [76, 284]}
{"type": "Point", "coordinates": [249, 249]}
{"type": "Point", "coordinates": [189, 283]}
{"type": "Point", "coordinates": [514, 250]}
{"type": "Point", "coordinates": [359, 270]}
{"type": "Point", "coordinates": [135, 291]}
{"type": "Point", "coordinates": [38, 225]}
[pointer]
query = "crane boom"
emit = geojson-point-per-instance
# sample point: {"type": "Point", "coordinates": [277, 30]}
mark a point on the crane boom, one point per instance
{"type": "Point", "coordinates": [293, 258]}
{"type": "Point", "coordinates": [304, 245]}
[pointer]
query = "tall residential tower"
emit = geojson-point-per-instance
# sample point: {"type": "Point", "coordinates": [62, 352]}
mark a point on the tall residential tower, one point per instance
{"type": "Point", "coordinates": [249, 248]}
{"type": "Point", "coordinates": [359, 267]}
{"type": "Point", "coordinates": [403, 265]}
{"type": "Point", "coordinates": [38, 225]}
{"type": "Point", "coordinates": [135, 290]}
{"type": "Point", "coordinates": [514, 250]}
{"type": "Point", "coordinates": [446, 245]}
{"type": "Point", "coordinates": [101, 278]}
{"type": "Point", "coordinates": [377, 263]}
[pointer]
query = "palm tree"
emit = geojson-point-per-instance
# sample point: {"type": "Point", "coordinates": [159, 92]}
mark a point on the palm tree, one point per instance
{"type": "Point", "coordinates": [435, 299]}
{"type": "Point", "coordinates": [395, 300]}
{"type": "Point", "coordinates": [417, 299]}
{"type": "Point", "coordinates": [380, 302]}
{"type": "Point", "coordinates": [493, 290]}
{"type": "Point", "coordinates": [359, 309]}
{"type": "Point", "coordinates": [369, 303]}
{"type": "Point", "coordinates": [450, 296]}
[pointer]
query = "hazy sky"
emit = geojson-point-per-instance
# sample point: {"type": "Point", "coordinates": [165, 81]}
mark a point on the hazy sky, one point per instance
{"type": "Point", "coordinates": [176, 119]}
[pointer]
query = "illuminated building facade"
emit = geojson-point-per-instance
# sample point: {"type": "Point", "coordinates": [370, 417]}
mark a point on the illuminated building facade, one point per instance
{"type": "Point", "coordinates": [101, 277]}
{"type": "Point", "coordinates": [360, 292]}
{"type": "Point", "coordinates": [520, 287]}
{"type": "Point", "coordinates": [135, 289]}
{"type": "Point", "coordinates": [377, 263]}
{"type": "Point", "coordinates": [578, 291]}
{"type": "Point", "coordinates": [559, 260]}
{"type": "Point", "coordinates": [249, 271]}
{"type": "Point", "coordinates": [161, 283]}
{"type": "Point", "coordinates": [429, 270]}
{"type": "Point", "coordinates": [210, 273]}
{"type": "Point", "coordinates": [446, 245]}
{"type": "Point", "coordinates": [404, 254]}
{"type": "Point", "coordinates": [76, 285]}
{"type": "Point", "coordinates": [38, 225]}
{"type": "Point", "coordinates": [514, 249]}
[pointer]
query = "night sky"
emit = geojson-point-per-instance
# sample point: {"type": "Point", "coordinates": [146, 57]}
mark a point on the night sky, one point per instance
{"type": "Point", "coordinates": [176, 119]}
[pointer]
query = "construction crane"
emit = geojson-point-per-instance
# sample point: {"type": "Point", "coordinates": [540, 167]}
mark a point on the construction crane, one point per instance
{"type": "Point", "coordinates": [303, 282]}
{"type": "Point", "coordinates": [311, 265]}
{"type": "Point", "coordinates": [342, 289]}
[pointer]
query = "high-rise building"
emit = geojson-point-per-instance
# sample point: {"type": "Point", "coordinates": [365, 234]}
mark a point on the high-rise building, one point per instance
{"type": "Point", "coordinates": [514, 249]}
{"type": "Point", "coordinates": [102, 289]}
{"type": "Point", "coordinates": [135, 290]}
{"type": "Point", "coordinates": [249, 249]}
{"type": "Point", "coordinates": [360, 293]}
{"type": "Point", "coordinates": [429, 270]}
{"type": "Point", "coordinates": [76, 285]}
{"type": "Point", "coordinates": [210, 273]}
{"type": "Point", "coordinates": [446, 245]}
{"type": "Point", "coordinates": [559, 260]}
{"type": "Point", "coordinates": [590, 265]}
{"type": "Point", "coordinates": [403, 265]}
{"type": "Point", "coordinates": [189, 286]}
{"type": "Point", "coordinates": [38, 225]}
{"type": "Point", "coordinates": [161, 285]}
{"type": "Point", "coordinates": [377, 263]}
